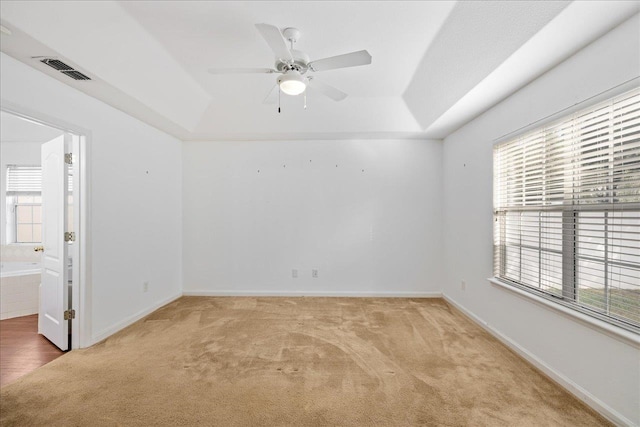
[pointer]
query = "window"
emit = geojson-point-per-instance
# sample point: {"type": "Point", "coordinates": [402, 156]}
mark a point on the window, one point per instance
{"type": "Point", "coordinates": [24, 204]}
{"type": "Point", "coordinates": [567, 211]}
{"type": "Point", "coordinates": [28, 218]}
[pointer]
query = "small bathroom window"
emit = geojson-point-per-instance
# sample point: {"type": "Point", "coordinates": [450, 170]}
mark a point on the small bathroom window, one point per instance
{"type": "Point", "coordinates": [24, 204]}
{"type": "Point", "coordinates": [28, 218]}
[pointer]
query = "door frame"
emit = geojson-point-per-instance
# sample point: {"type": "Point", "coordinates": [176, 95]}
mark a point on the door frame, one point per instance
{"type": "Point", "coordinates": [81, 281]}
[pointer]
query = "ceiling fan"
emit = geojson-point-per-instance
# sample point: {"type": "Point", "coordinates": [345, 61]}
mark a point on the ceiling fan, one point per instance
{"type": "Point", "coordinates": [293, 65]}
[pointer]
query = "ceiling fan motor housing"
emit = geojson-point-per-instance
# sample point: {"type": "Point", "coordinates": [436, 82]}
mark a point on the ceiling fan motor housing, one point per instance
{"type": "Point", "coordinates": [300, 62]}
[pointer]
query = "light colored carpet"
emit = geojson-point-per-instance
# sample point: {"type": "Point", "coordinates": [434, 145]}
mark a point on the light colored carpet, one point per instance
{"type": "Point", "coordinates": [297, 362]}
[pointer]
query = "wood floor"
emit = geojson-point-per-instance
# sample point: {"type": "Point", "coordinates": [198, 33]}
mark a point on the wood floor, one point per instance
{"type": "Point", "coordinates": [22, 349]}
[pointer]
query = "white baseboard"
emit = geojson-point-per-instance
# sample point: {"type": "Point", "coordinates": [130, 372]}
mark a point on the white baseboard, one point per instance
{"type": "Point", "coordinates": [107, 332]}
{"type": "Point", "coordinates": [582, 394]}
{"type": "Point", "coordinates": [220, 293]}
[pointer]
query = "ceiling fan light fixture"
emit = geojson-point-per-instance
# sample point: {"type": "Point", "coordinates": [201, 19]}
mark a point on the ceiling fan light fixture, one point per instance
{"type": "Point", "coordinates": [292, 83]}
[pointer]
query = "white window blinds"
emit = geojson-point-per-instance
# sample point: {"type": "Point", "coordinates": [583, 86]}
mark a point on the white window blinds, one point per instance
{"type": "Point", "coordinates": [567, 211]}
{"type": "Point", "coordinates": [24, 179]}
{"type": "Point", "coordinates": [27, 179]}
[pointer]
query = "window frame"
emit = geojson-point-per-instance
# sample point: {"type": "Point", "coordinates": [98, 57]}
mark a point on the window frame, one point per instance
{"type": "Point", "coordinates": [15, 204]}
{"type": "Point", "coordinates": [21, 180]}
{"type": "Point", "coordinates": [570, 219]}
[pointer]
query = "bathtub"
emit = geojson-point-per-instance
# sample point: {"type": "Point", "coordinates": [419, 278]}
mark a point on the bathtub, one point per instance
{"type": "Point", "coordinates": [15, 268]}
{"type": "Point", "coordinates": [19, 289]}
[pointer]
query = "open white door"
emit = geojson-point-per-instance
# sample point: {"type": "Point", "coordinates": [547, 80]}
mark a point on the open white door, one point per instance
{"type": "Point", "coordinates": [54, 293]}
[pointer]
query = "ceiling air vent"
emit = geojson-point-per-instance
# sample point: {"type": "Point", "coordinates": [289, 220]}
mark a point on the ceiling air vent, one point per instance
{"type": "Point", "coordinates": [65, 69]}
{"type": "Point", "coordinates": [76, 75]}
{"type": "Point", "coordinates": [56, 64]}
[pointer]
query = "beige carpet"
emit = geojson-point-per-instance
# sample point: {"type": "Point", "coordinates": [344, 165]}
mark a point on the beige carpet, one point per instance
{"type": "Point", "coordinates": [294, 362]}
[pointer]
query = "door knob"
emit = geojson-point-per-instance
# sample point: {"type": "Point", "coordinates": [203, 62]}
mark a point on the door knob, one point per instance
{"type": "Point", "coordinates": [39, 249]}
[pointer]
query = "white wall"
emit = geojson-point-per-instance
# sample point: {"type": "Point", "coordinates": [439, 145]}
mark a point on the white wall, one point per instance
{"type": "Point", "coordinates": [366, 214]}
{"type": "Point", "coordinates": [606, 370]}
{"type": "Point", "coordinates": [135, 173]}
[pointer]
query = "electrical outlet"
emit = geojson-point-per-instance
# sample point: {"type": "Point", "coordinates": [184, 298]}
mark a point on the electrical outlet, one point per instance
{"type": "Point", "coordinates": [294, 273]}
{"type": "Point", "coordinates": [314, 274]}
{"type": "Point", "coordinates": [463, 285]}
{"type": "Point", "coordinates": [145, 287]}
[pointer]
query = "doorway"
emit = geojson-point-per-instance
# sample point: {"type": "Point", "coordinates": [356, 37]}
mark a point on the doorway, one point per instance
{"type": "Point", "coordinates": [24, 226]}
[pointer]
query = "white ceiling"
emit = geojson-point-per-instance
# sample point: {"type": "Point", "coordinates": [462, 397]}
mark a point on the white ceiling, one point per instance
{"type": "Point", "coordinates": [435, 64]}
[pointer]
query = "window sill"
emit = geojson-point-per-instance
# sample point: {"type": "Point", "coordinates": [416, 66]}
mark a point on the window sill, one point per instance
{"type": "Point", "coordinates": [614, 331]}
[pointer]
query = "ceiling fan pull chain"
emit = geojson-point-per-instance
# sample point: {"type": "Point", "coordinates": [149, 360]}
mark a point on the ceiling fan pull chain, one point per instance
{"type": "Point", "coordinates": [305, 99]}
{"type": "Point", "coordinates": [279, 98]}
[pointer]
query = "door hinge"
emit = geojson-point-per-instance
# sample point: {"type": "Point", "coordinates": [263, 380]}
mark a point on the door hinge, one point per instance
{"type": "Point", "coordinates": [69, 314]}
{"type": "Point", "coordinates": [69, 236]}
{"type": "Point", "coordinates": [68, 158]}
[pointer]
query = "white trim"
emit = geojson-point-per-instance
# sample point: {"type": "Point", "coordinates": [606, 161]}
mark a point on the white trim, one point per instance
{"type": "Point", "coordinates": [598, 325]}
{"type": "Point", "coordinates": [220, 293]}
{"type": "Point", "coordinates": [77, 147]}
{"type": "Point", "coordinates": [107, 332]}
{"type": "Point", "coordinates": [83, 301]}
{"type": "Point", "coordinates": [579, 392]}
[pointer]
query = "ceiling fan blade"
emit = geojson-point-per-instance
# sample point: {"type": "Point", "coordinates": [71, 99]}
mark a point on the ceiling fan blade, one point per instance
{"type": "Point", "coordinates": [327, 90]}
{"type": "Point", "coordinates": [241, 70]}
{"type": "Point", "coordinates": [352, 59]}
{"type": "Point", "coordinates": [272, 97]}
{"type": "Point", "coordinates": [276, 42]}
